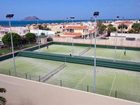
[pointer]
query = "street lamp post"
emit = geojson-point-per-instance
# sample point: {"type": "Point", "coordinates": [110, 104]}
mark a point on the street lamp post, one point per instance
{"type": "Point", "coordinates": [72, 19]}
{"type": "Point", "coordinates": [122, 38]}
{"type": "Point", "coordinates": [96, 14]}
{"type": "Point", "coordinates": [38, 35]}
{"type": "Point", "coordinates": [116, 34]}
{"type": "Point", "coordinates": [67, 20]}
{"type": "Point", "coordinates": [10, 16]}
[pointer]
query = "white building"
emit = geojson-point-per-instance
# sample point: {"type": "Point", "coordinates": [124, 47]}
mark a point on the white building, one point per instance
{"type": "Point", "coordinates": [43, 32]}
{"type": "Point", "coordinates": [42, 35]}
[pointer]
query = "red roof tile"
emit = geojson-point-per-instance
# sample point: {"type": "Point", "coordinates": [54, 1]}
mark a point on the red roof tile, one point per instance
{"type": "Point", "coordinates": [125, 22]}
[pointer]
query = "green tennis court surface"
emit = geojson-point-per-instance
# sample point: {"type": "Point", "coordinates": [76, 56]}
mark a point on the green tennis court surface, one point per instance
{"type": "Point", "coordinates": [87, 51]}
{"type": "Point", "coordinates": [33, 67]}
{"type": "Point", "coordinates": [111, 82]}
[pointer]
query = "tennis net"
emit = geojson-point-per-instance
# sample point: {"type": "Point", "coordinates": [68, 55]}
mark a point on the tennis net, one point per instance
{"type": "Point", "coordinates": [84, 51]}
{"type": "Point", "coordinates": [52, 73]}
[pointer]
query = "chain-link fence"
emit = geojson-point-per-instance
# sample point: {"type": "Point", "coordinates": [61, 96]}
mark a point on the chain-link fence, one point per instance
{"type": "Point", "coordinates": [117, 92]}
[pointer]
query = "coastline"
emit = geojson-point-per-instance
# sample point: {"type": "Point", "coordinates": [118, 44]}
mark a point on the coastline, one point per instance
{"type": "Point", "coordinates": [19, 23]}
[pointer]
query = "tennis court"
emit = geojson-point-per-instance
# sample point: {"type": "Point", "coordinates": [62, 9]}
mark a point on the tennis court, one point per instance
{"type": "Point", "coordinates": [31, 67]}
{"type": "Point", "coordinates": [122, 54]}
{"type": "Point", "coordinates": [111, 82]}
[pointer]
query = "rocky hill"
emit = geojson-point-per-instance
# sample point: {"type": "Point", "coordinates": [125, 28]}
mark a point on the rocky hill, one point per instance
{"type": "Point", "coordinates": [31, 18]}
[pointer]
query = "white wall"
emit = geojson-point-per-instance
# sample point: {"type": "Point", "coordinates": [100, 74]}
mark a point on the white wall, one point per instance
{"type": "Point", "coordinates": [137, 36]}
{"type": "Point", "coordinates": [39, 32]}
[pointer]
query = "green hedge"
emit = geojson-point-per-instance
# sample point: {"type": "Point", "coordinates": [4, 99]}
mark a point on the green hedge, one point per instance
{"type": "Point", "coordinates": [8, 56]}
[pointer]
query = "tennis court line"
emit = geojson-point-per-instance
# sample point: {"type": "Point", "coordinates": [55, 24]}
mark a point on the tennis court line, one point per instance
{"type": "Point", "coordinates": [81, 80]}
{"type": "Point", "coordinates": [121, 54]}
{"type": "Point", "coordinates": [113, 82]}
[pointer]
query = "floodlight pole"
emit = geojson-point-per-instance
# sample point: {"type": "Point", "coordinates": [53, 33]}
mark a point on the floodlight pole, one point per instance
{"type": "Point", "coordinates": [115, 46]}
{"type": "Point", "coordinates": [12, 46]}
{"type": "Point", "coordinates": [116, 34]}
{"type": "Point", "coordinates": [38, 36]}
{"type": "Point", "coordinates": [94, 73]}
{"type": "Point", "coordinates": [122, 32]}
{"type": "Point", "coordinates": [94, 86]}
{"type": "Point", "coordinates": [72, 19]}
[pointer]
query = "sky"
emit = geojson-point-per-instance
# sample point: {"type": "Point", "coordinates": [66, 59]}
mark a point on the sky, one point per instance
{"type": "Point", "coordinates": [61, 9]}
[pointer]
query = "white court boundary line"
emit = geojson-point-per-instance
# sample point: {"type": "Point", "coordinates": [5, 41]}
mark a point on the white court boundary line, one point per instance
{"type": "Point", "coordinates": [81, 80]}
{"type": "Point", "coordinates": [113, 82]}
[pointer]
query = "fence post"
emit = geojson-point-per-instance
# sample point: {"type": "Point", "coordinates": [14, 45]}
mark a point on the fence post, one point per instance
{"type": "Point", "coordinates": [60, 82]}
{"type": "Point", "coordinates": [39, 78]}
{"type": "Point", "coordinates": [26, 76]}
{"type": "Point", "coordinates": [9, 72]}
{"type": "Point", "coordinates": [87, 88]}
{"type": "Point", "coordinates": [30, 77]}
{"type": "Point", "coordinates": [116, 93]}
{"type": "Point", "coordinates": [65, 59]}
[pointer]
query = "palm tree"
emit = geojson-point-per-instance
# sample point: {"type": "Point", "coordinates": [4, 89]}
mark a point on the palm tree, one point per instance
{"type": "Point", "coordinates": [122, 27]}
{"type": "Point", "coordinates": [110, 29]}
{"type": "Point", "coordinates": [136, 27]}
{"type": "Point", "coordinates": [101, 27]}
{"type": "Point", "coordinates": [2, 99]}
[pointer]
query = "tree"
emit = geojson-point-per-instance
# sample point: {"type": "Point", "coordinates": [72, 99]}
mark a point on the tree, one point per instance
{"type": "Point", "coordinates": [131, 31]}
{"type": "Point", "coordinates": [101, 27]}
{"type": "Point", "coordinates": [110, 29]}
{"type": "Point", "coordinates": [43, 27]}
{"type": "Point", "coordinates": [30, 37]}
{"type": "Point", "coordinates": [40, 27]}
{"type": "Point", "coordinates": [7, 39]}
{"type": "Point", "coordinates": [136, 27]}
{"type": "Point", "coordinates": [2, 99]}
{"type": "Point", "coordinates": [49, 39]}
{"type": "Point", "coordinates": [122, 26]}
{"type": "Point", "coordinates": [23, 40]}
{"type": "Point", "coordinates": [48, 29]}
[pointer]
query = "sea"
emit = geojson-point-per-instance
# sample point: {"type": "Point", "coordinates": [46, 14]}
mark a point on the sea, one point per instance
{"type": "Point", "coordinates": [20, 23]}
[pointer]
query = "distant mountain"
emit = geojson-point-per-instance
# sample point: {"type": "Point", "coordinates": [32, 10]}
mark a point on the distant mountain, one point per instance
{"type": "Point", "coordinates": [30, 18]}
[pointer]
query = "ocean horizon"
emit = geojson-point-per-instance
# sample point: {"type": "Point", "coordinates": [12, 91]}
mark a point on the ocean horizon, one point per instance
{"type": "Point", "coordinates": [20, 23]}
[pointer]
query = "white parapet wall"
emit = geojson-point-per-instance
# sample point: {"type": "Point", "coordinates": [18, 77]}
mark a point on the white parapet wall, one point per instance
{"type": "Point", "coordinates": [129, 35]}
{"type": "Point", "coordinates": [26, 92]}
